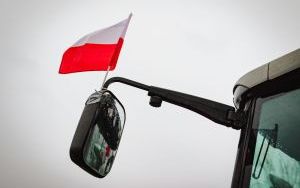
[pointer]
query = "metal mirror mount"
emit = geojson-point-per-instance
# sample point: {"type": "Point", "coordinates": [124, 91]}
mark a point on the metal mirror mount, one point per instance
{"type": "Point", "coordinates": [98, 134]}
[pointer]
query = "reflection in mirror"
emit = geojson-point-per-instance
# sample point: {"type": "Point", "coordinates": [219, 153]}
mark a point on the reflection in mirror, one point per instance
{"type": "Point", "coordinates": [102, 143]}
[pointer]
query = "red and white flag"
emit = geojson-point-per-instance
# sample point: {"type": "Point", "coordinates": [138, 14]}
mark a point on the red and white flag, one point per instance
{"type": "Point", "coordinates": [96, 51]}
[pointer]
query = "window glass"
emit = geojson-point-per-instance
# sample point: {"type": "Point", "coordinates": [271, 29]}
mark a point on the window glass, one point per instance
{"type": "Point", "coordinates": [276, 160]}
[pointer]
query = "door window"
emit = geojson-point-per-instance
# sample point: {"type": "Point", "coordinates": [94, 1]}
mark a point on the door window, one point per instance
{"type": "Point", "coordinates": [276, 154]}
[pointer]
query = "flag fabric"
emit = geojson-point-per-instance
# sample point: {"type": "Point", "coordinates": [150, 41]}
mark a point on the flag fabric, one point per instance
{"type": "Point", "coordinates": [96, 51]}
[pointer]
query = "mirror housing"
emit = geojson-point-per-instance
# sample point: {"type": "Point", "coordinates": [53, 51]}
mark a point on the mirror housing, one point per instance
{"type": "Point", "coordinates": [97, 137]}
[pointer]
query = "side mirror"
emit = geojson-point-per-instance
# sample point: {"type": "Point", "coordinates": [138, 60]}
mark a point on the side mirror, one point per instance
{"type": "Point", "coordinates": [98, 134]}
{"type": "Point", "coordinates": [100, 128]}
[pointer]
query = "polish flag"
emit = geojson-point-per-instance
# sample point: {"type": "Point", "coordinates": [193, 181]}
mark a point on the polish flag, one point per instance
{"type": "Point", "coordinates": [96, 51]}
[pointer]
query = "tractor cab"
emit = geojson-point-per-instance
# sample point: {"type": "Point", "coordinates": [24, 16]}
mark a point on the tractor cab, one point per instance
{"type": "Point", "coordinates": [269, 147]}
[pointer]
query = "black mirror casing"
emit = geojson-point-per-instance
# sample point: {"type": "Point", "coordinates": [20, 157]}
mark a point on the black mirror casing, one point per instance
{"type": "Point", "coordinates": [94, 116]}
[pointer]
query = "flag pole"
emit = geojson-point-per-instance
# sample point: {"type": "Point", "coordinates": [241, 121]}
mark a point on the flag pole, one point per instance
{"type": "Point", "coordinates": [122, 36]}
{"type": "Point", "coordinates": [105, 77]}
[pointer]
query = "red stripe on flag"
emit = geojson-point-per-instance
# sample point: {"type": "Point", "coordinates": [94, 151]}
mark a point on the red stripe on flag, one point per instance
{"type": "Point", "coordinates": [90, 57]}
{"type": "Point", "coordinates": [115, 57]}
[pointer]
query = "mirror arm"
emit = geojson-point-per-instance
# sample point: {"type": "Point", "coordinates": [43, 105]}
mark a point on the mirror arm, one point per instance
{"type": "Point", "coordinates": [127, 82]}
{"type": "Point", "coordinates": [217, 112]}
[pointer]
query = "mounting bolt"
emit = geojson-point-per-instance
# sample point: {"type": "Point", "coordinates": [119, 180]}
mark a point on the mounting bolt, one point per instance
{"type": "Point", "coordinates": [155, 101]}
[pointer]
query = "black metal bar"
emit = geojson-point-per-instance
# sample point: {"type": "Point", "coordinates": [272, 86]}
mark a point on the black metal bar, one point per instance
{"type": "Point", "coordinates": [217, 112]}
{"type": "Point", "coordinates": [127, 82]}
{"type": "Point", "coordinates": [212, 110]}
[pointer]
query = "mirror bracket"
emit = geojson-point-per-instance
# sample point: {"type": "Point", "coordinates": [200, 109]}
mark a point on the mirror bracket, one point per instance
{"type": "Point", "coordinates": [155, 101]}
{"type": "Point", "coordinates": [238, 119]}
{"type": "Point", "coordinates": [217, 112]}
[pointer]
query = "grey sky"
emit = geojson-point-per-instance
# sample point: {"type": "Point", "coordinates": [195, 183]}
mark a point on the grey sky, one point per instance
{"type": "Point", "coordinates": [197, 47]}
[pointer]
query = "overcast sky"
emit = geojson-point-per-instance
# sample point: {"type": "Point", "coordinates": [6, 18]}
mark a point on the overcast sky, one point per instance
{"type": "Point", "coordinates": [197, 47]}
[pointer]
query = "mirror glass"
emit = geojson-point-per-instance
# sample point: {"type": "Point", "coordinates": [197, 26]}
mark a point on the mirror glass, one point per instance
{"type": "Point", "coordinates": [103, 140]}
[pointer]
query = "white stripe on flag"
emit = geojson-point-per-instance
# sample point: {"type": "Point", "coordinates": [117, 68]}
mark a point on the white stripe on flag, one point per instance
{"type": "Point", "coordinates": [109, 35]}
